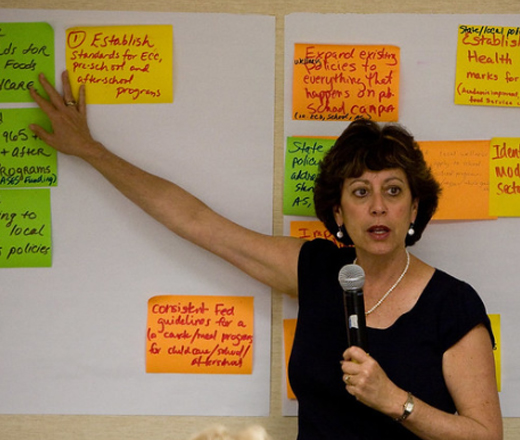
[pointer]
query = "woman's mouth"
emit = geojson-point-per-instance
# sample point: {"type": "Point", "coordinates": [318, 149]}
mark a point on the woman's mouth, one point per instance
{"type": "Point", "coordinates": [379, 231]}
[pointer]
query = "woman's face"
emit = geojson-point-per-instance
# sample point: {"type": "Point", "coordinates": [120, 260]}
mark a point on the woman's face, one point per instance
{"type": "Point", "coordinates": [376, 210]}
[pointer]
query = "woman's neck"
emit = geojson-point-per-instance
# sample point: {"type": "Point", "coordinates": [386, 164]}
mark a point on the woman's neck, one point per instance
{"type": "Point", "coordinates": [381, 266]}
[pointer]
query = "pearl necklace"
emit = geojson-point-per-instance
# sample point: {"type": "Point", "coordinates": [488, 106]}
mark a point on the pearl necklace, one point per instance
{"type": "Point", "coordinates": [391, 288]}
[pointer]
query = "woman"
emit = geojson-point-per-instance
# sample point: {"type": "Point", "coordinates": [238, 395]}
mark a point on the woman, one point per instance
{"type": "Point", "coordinates": [372, 200]}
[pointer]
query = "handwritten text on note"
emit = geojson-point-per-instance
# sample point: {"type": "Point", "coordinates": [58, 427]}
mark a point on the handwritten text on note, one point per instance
{"type": "Point", "coordinates": [344, 83]}
{"type": "Point", "coordinates": [25, 228]}
{"type": "Point", "coordinates": [488, 63]}
{"type": "Point", "coordinates": [25, 160]}
{"type": "Point", "coordinates": [504, 176]}
{"type": "Point", "coordinates": [462, 169]}
{"type": "Point", "coordinates": [311, 229]}
{"type": "Point", "coordinates": [302, 161]}
{"type": "Point", "coordinates": [26, 49]}
{"type": "Point", "coordinates": [200, 334]}
{"type": "Point", "coordinates": [122, 64]}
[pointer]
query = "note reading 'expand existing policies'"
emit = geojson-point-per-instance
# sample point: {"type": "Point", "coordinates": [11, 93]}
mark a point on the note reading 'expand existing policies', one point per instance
{"type": "Point", "coordinates": [122, 64]}
{"type": "Point", "coordinates": [344, 83]}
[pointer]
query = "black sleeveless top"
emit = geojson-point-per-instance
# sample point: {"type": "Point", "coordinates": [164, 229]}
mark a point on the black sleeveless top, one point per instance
{"type": "Point", "coordinates": [410, 351]}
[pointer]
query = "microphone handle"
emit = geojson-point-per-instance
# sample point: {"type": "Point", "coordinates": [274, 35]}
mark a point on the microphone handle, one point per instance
{"type": "Point", "coordinates": [355, 318]}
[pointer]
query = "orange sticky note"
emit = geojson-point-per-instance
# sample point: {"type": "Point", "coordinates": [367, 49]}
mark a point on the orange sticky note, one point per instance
{"type": "Point", "coordinates": [200, 334]}
{"type": "Point", "coordinates": [289, 328]}
{"type": "Point", "coordinates": [504, 177]}
{"type": "Point", "coordinates": [121, 64]}
{"type": "Point", "coordinates": [462, 169]}
{"type": "Point", "coordinates": [311, 229]}
{"type": "Point", "coordinates": [487, 66]}
{"type": "Point", "coordinates": [343, 82]}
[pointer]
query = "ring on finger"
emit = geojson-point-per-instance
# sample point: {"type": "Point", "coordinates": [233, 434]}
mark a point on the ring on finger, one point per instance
{"type": "Point", "coordinates": [70, 103]}
{"type": "Point", "coordinates": [346, 379]}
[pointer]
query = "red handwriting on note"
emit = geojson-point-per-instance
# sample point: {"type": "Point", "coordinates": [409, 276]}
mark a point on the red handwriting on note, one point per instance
{"type": "Point", "coordinates": [344, 83]}
{"type": "Point", "coordinates": [311, 229]}
{"type": "Point", "coordinates": [487, 66]}
{"type": "Point", "coordinates": [122, 64]}
{"type": "Point", "coordinates": [504, 177]}
{"type": "Point", "coordinates": [200, 334]}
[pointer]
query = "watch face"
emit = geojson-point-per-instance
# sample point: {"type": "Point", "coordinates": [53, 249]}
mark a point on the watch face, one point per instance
{"type": "Point", "coordinates": [408, 408]}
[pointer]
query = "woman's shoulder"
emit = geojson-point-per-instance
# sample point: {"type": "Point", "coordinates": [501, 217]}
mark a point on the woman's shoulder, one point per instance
{"type": "Point", "coordinates": [440, 289]}
{"type": "Point", "coordinates": [459, 305]}
{"type": "Point", "coordinates": [453, 295]}
{"type": "Point", "coordinates": [321, 250]}
{"type": "Point", "coordinates": [450, 283]}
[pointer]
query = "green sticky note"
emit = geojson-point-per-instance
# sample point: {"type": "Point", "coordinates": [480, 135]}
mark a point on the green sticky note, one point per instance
{"type": "Point", "coordinates": [25, 228]}
{"type": "Point", "coordinates": [302, 159]}
{"type": "Point", "coordinates": [26, 49]}
{"type": "Point", "coordinates": [25, 160]}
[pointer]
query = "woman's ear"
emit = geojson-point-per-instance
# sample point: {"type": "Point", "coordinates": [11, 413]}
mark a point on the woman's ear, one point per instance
{"type": "Point", "coordinates": [415, 209]}
{"type": "Point", "coordinates": [338, 215]}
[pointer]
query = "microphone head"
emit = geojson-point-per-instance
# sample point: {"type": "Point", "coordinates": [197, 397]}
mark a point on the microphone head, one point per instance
{"type": "Point", "coordinates": [351, 277]}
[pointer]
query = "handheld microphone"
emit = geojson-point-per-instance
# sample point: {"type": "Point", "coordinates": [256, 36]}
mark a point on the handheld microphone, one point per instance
{"type": "Point", "coordinates": [352, 279]}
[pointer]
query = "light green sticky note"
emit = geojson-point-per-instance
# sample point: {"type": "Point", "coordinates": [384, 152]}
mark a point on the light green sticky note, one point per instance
{"type": "Point", "coordinates": [302, 159]}
{"type": "Point", "coordinates": [25, 160]}
{"type": "Point", "coordinates": [26, 49]}
{"type": "Point", "coordinates": [25, 228]}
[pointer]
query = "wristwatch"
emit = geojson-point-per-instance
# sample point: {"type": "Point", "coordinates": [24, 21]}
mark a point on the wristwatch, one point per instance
{"type": "Point", "coordinates": [407, 408]}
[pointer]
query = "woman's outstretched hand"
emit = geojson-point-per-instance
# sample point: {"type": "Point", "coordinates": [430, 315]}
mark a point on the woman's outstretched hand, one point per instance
{"type": "Point", "coordinates": [70, 132]}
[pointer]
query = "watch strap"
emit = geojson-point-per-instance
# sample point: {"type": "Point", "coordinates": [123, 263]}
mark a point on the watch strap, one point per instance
{"type": "Point", "coordinates": [407, 408]}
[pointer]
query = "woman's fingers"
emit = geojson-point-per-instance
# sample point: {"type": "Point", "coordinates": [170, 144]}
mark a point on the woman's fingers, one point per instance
{"type": "Point", "coordinates": [42, 134]}
{"type": "Point", "coordinates": [82, 103]}
{"type": "Point", "coordinates": [45, 105]}
{"type": "Point", "coordinates": [54, 97]}
{"type": "Point", "coordinates": [68, 98]}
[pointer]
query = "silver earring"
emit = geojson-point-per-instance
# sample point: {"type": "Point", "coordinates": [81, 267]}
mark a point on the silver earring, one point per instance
{"type": "Point", "coordinates": [411, 230]}
{"type": "Point", "coordinates": [339, 234]}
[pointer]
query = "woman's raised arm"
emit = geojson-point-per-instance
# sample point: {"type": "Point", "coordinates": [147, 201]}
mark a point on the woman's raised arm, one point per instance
{"type": "Point", "coordinates": [271, 260]}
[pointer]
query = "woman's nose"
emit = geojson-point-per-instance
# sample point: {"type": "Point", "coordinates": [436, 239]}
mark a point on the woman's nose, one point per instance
{"type": "Point", "coordinates": [378, 206]}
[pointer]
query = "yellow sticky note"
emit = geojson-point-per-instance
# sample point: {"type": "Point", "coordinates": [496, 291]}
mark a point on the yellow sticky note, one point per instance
{"type": "Point", "coordinates": [462, 168]}
{"type": "Point", "coordinates": [289, 328]}
{"type": "Point", "coordinates": [504, 177]}
{"type": "Point", "coordinates": [487, 66]}
{"type": "Point", "coordinates": [200, 334]}
{"type": "Point", "coordinates": [343, 82]}
{"type": "Point", "coordinates": [495, 326]}
{"type": "Point", "coordinates": [122, 64]}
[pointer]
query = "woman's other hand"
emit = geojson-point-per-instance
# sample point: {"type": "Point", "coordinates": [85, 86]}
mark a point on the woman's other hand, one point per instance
{"type": "Point", "coordinates": [368, 383]}
{"type": "Point", "coordinates": [70, 132]}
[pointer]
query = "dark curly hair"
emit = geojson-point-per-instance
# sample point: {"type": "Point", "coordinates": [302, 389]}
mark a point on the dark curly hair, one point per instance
{"type": "Point", "coordinates": [366, 145]}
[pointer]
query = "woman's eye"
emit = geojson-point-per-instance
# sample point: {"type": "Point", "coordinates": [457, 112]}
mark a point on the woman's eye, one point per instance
{"type": "Point", "coordinates": [394, 190]}
{"type": "Point", "coordinates": [360, 192]}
